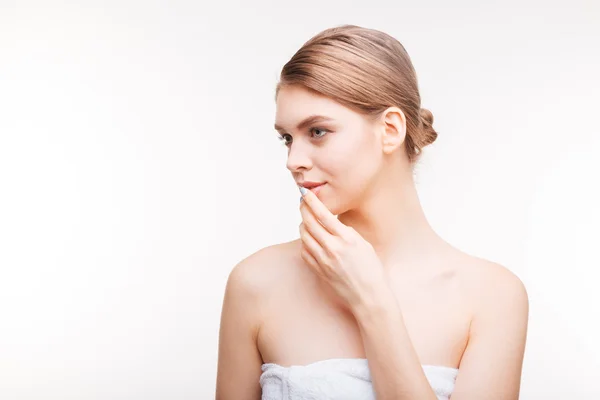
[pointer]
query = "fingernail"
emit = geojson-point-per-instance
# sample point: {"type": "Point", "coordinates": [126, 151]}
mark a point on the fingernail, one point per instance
{"type": "Point", "coordinates": [303, 190]}
{"type": "Point", "coordinates": [301, 198]}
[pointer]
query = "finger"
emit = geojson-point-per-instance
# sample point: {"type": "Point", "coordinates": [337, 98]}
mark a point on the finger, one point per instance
{"type": "Point", "coordinates": [311, 245]}
{"type": "Point", "coordinates": [322, 213]}
{"type": "Point", "coordinates": [314, 227]}
{"type": "Point", "coordinates": [310, 260]}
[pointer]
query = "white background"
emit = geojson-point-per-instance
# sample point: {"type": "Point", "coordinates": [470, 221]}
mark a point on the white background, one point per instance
{"type": "Point", "coordinates": [138, 165]}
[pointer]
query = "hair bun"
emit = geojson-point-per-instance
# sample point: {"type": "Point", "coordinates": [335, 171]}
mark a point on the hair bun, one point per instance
{"type": "Point", "coordinates": [426, 116]}
{"type": "Point", "coordinates": [430, 135]}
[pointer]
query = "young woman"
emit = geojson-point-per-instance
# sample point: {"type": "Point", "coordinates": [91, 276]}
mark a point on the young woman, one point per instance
{"type": "Point", "coordinates": [371, 303]}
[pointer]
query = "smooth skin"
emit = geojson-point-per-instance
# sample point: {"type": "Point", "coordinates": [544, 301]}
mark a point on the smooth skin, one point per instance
{"type": "Point", "coordinates": [376, 282]}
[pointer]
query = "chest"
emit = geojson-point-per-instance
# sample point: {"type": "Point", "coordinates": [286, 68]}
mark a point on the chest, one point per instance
{"type": "Point", "coordinates": [303, 324]}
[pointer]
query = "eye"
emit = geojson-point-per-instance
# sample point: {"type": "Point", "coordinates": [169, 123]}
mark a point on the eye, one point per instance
{"type": "Point", "coordinates": [319, 130]}
{"type": "Point", "coordinates": [282, 139]}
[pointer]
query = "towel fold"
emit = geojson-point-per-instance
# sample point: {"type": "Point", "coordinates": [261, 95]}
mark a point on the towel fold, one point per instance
{"type": "Point", "coordinates": [338, 379]}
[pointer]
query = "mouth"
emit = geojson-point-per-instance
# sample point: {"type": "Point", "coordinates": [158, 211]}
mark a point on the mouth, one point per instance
{"type": "Point", "coordinates": [314, 187]}
{"type": "Point", "coordinates": [317, 189]}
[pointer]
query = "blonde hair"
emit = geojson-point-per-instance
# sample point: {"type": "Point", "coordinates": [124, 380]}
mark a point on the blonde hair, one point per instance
{"type": "Point", "coordinates": [365, 70]}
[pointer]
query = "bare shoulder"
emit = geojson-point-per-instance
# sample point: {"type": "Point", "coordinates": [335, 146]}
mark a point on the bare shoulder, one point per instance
{"type": "Point", "coordinates": [249, 272]}
{"type": "Point", "coordinates": [261, 272]}
{"type": "Point", "coordinates": [261, 268]}
{"type": "Point", "coordinates": [495, 292]}
{"type": "Point", "coordinates": [493, 282]}
{"type": "Point", "coordinates": [497, 333]}
{"type": "Point", "coordinates": [239, 358]}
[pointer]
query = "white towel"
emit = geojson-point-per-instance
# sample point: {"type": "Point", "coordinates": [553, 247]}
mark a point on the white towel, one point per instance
{"type": "Point", "coordinates": [338, 379]}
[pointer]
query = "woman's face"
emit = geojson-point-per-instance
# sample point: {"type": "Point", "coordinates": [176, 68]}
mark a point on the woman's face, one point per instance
{"type": "Point", "coordinates": [338, 146]}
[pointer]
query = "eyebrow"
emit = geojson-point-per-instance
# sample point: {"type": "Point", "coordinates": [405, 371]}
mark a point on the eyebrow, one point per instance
{"type": "Point", "coordinates": [307, 121]}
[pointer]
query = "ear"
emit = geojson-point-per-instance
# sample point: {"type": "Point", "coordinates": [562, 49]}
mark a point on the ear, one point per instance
{"type": "Point", "coordinates": [394, 129]}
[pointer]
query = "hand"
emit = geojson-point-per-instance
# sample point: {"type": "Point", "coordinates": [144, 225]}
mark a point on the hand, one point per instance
{"type": "Point", "coordinates": [338, 254]}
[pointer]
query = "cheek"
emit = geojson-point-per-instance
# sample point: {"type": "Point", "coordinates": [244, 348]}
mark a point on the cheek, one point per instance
{"type": "Point", "coordinates": [353, 163]}
{"type": "Point", "coordinates": [350, 147]}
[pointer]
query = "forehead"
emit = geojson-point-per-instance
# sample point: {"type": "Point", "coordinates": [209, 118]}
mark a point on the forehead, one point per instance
{"type": "Point", "coordinates": [295, 103]}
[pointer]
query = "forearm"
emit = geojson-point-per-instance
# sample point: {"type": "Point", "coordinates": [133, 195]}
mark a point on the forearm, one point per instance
{"type": "Point", "coordinates": [395, 368]}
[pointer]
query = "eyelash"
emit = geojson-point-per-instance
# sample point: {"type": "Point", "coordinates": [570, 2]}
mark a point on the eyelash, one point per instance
{"type": "Point", "coordinates": [282, 137]}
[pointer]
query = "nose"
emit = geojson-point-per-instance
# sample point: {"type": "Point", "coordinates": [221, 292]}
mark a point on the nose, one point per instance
{"type": "Point", "coordinates": [298, 157]}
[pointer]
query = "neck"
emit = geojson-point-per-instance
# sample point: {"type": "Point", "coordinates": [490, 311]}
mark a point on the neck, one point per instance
{"type": "Point", "coordinates": [391, 218]}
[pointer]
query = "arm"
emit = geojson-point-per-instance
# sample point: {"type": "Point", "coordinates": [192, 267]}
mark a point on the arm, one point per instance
{"type": "Point", "coordinates": [491, 364]}
{"type": "Point", "coordinates": [396, 371]}
{"type": "Point", "coordinates": [239, 361]}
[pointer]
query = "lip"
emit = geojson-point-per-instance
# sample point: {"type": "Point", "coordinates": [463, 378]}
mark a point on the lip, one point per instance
{"type": "Point", "coordinates": [314, 187]}
{"type": "Point", "coordinates": [317, 189]}
{"type": "Point", "coordinates": [310, 185]}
